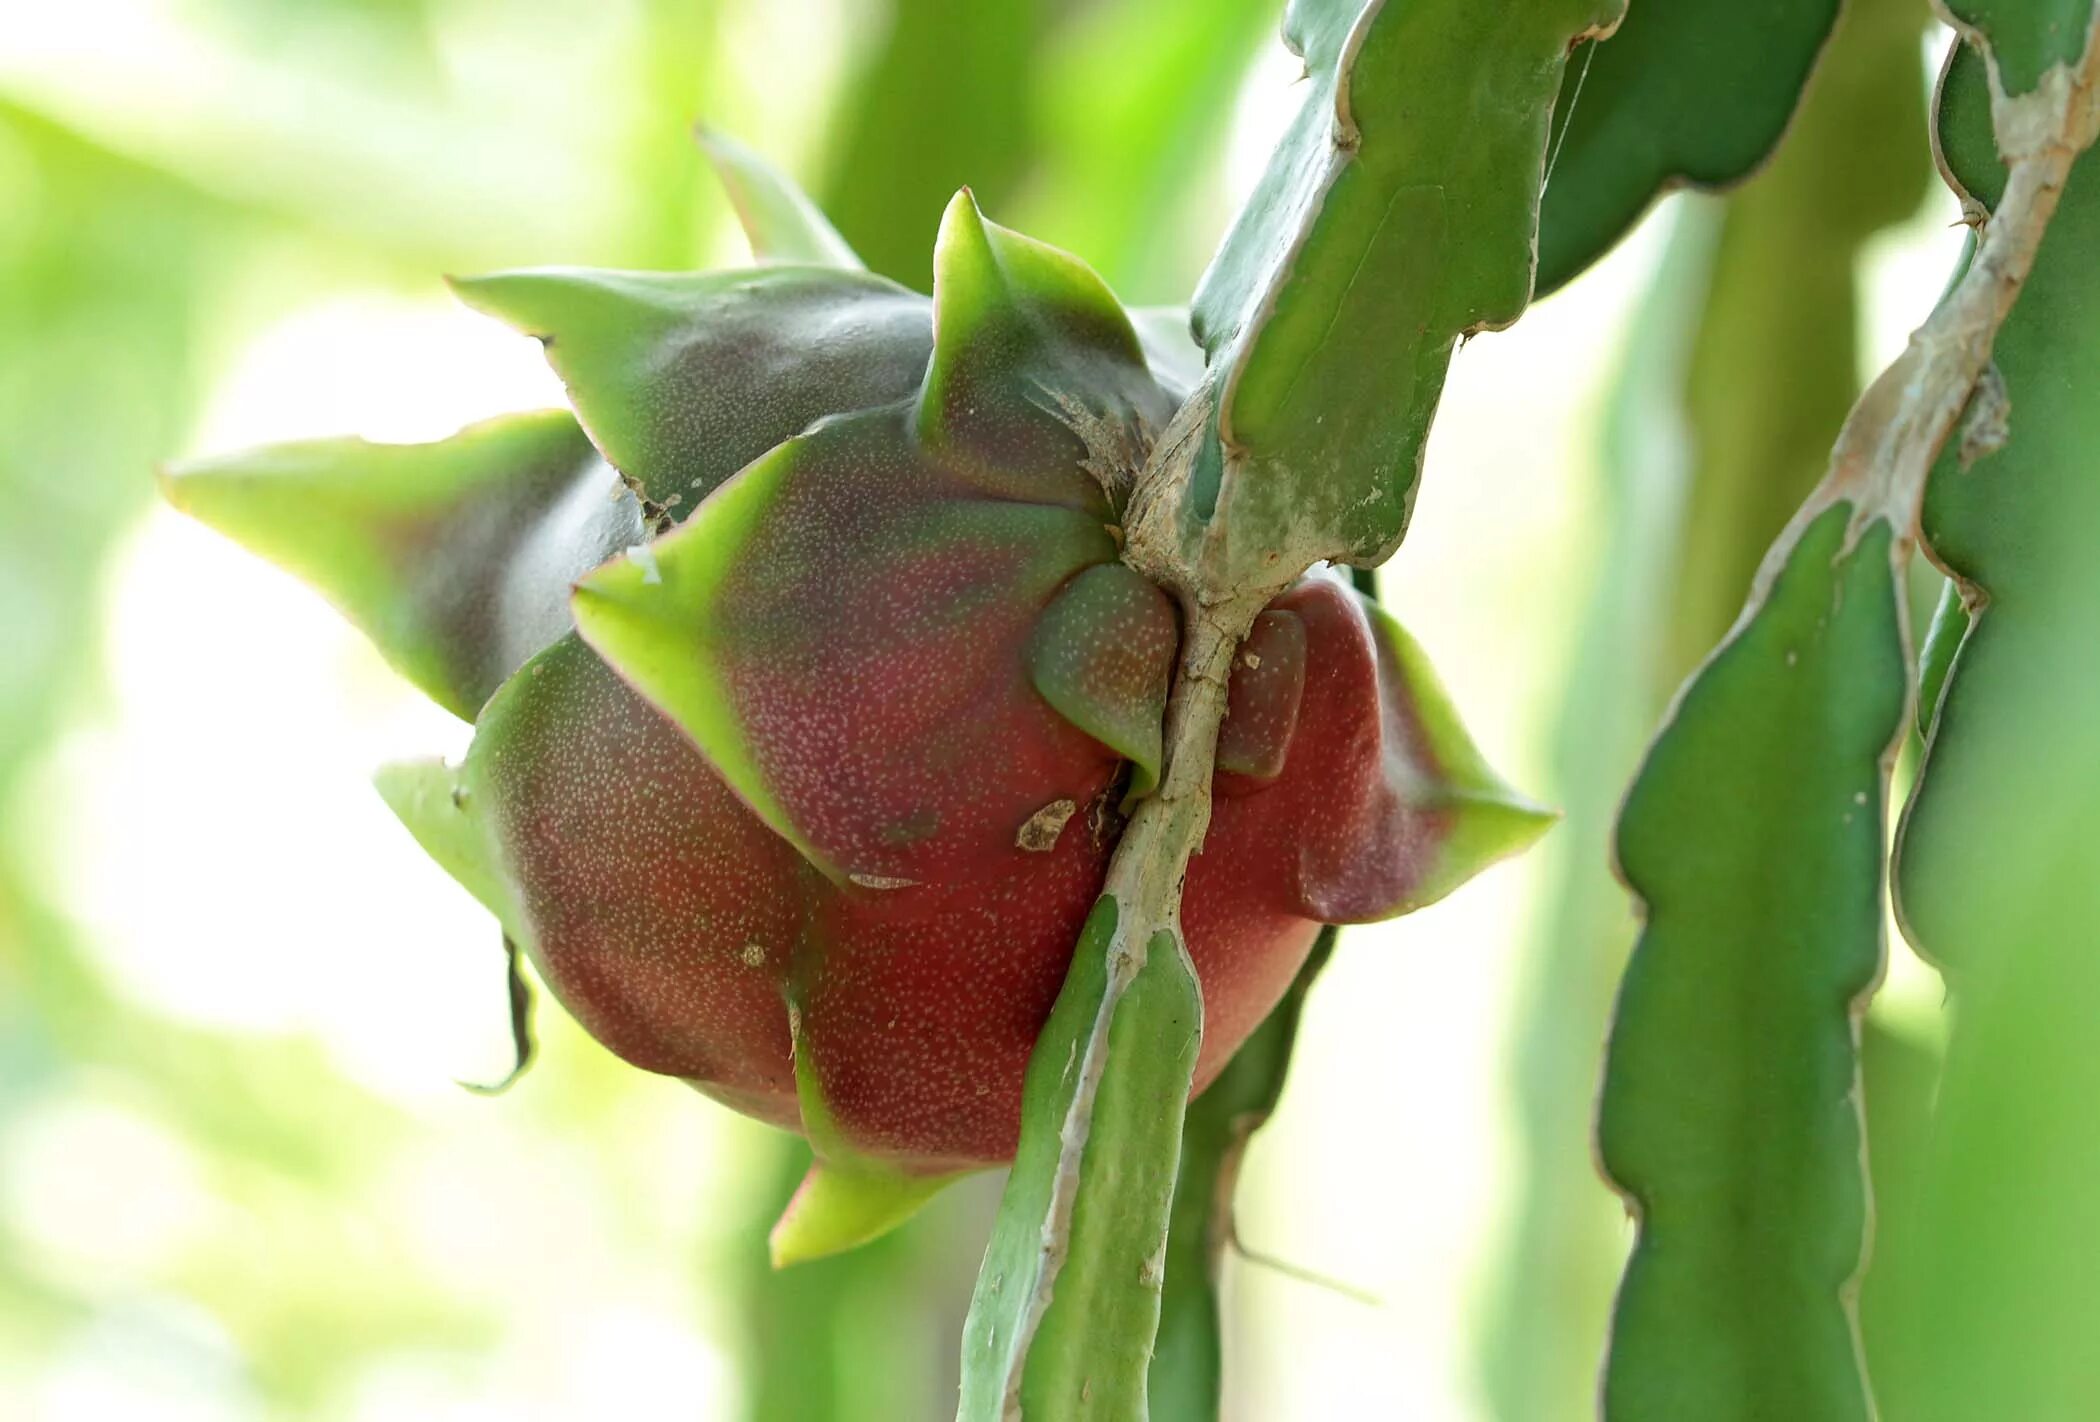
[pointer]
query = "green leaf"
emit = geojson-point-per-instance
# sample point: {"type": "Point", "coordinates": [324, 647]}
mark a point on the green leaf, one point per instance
{"type": "Point", "coordinates": [778, 218]}
{"type": "Point", "coordinates": [454, 557]}
{"type": "Point", "coordinates": [1185, 1383]}
{"type": "Point", "coordinates": [1995, 860]}
{"type": "Point", "coordinates": [1398, 214]}
{"type": "Point", "coordinates": [1686, 93]}
{"type": "Point", "coordinates": [1730, 1115]}
{"type": "Point", "coordinates": [1085, 1354]}
{"type": "Point", "coordinates": [1721, 422]}
{"type": "Point", "coordinates": [684, 378]}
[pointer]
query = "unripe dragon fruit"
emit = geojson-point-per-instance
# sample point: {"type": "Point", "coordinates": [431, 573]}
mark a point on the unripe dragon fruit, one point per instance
{"type": "Point", "coordinates": [804, 791]}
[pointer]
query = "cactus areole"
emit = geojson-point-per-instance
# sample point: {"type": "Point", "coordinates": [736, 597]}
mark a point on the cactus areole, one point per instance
{"type": "Point", "coordinates": [810, 691]}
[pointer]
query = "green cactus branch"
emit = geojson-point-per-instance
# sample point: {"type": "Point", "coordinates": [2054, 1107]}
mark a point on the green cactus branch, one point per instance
{"type": "Point", "coordinates": [1721, 421]}
{"type": "Point", "coordinates": [1398, 214]}
{"type": "Point", "coordinates": [1754, 837]}
{"type": "Point", "coordinates": [1075, 1216]}
{"type": "Point", "coordinates": [1186, 1382]}
{"type": "Point", "coordinates": [1994, 867]}
{"type": "Point", "coordinates": [1686, 93]}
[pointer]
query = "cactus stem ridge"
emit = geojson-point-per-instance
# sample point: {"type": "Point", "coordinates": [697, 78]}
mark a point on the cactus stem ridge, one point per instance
{"type": "Point", "coordinates": [1144, 879]}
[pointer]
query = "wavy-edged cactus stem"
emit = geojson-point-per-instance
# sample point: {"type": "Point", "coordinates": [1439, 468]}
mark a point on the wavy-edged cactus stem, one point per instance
{"type": "Point", "coordinates": [1398, 214]}
{"type": "Point", "coordinates": [1720, 424]}
{"type": "Point", "coordinates": [1754, 837]}
{"type": "Point", "coordinates": [1995, 858]}
{"type": "Point", "coordinates": [1686, 93]}
{"type": "Point", "coordinates": [1061, 1326]}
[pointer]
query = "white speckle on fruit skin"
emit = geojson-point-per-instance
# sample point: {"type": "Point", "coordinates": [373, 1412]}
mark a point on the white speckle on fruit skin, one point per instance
{"type": "Point", "coordinates": [754, 955]}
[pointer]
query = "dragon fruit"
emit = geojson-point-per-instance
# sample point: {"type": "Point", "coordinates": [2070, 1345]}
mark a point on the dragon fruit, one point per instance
{"type": "Point", "coordinates": [810, 692]}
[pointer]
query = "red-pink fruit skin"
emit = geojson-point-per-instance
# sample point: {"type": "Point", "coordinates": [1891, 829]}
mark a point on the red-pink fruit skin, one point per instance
{"type": "Point", "coordinates": [679, 929]}
{"type": "Point", "coordinates": [642, 878]}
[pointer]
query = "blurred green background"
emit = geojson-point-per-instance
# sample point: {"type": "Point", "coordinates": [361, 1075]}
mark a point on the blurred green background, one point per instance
{"type": "Point", "coordinates": [237, 1180]}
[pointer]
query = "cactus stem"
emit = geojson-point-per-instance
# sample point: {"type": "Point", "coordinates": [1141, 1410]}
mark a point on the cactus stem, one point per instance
{"type": "Point", "coordinates": [1144, 880]}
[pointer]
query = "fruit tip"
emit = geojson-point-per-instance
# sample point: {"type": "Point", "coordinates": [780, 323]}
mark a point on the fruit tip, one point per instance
{"type": "Point", "coordinates": [838, 1208]}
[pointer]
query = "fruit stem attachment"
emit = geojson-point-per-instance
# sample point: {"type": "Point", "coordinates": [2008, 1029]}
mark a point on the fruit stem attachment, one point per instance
{"type": "Point", "coordinates": [1068, 1302]}
{"type": "Point", "coordinates": [1168, 826]}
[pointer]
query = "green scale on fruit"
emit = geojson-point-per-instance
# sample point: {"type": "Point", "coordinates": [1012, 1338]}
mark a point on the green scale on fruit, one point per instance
{"type": "Point", "coordinates": [810, 690]}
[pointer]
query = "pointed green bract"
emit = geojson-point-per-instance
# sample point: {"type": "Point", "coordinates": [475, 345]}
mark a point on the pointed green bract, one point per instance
{"type": "Point", "coordinates": [1086, 1353]}
{"type": "Point", "coordinates": [649, 617]}
{"type": "Point", "coordinates": [1730, 1116]}
{"type": "Point", "coordinates": [1397, 215]}
{"type": "Point", "coordinates": [1484, 818]}
{"type": "Point", "coordinates": [778, 218]}
{"type": "Point", "coordinates": [1995, 866]}
{"type": "Point", "coordinates": [838, 1208]}
{"type": "Point", "coordinates": [1027, 340]}
{"type": "Point", "coordinates": [995, 287]}
{"type": "Point", "coordinates": [1102, 656]}
{"type": "Point", "coordinates": [684, 378]}
{"type": "Point", "coordinates": [846, 1200]}
{"type": "Point", "coordinates": [430, 798]}
{"type": "Point", "coordinates": [1687, 92]}
{"type": "Point", "coordinates": [453, 557]}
